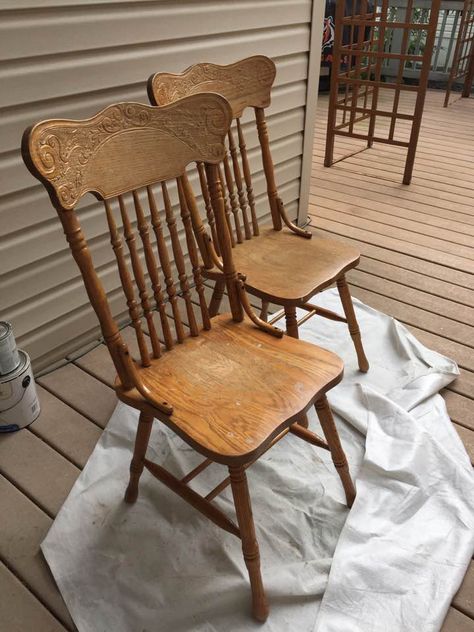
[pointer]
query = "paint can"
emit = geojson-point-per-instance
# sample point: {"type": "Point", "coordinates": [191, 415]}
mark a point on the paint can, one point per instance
{"type": "Point", "coordinates": [9, 356]}
{"type": "Point", "coordinates": [19, 404]}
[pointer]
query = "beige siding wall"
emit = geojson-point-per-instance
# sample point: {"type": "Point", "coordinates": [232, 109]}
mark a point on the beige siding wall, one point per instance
{"type": "Point", "coordinates": [71, 59]}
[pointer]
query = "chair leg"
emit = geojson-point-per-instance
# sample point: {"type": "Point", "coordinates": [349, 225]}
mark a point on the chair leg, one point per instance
{"type": "Point", "coordinates": [264, 311]}
{"type": "Point", "coordinates": [136, 466]}
{"type": "Point", "coordinates": [216, 298]}
{"type": "Point", "coordinates": [354, 330]}
{"type": "Point", "coordinates": [291, 322]}
{"type": "Point", "coordinates": [335, 447]}
{"type": "Point", "coordinates": [243, 508]}
{"type": "Point", "coordinates": [292, 330]}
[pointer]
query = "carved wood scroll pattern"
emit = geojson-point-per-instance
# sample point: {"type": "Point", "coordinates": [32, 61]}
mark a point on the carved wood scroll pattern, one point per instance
{"type": "Point", "coordinates": [64, 150]}
{"type": "Point", "coordinates": [245, 83]}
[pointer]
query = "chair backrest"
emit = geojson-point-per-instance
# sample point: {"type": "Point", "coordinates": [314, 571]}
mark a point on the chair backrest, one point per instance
{"type": "Point", "coordinates": [245, 84]}
{"type": "Point", "coordinates": [118, 155]}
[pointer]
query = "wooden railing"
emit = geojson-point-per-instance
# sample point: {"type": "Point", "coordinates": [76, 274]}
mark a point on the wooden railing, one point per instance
{"type": "Point", "coordinates": [448, 27]}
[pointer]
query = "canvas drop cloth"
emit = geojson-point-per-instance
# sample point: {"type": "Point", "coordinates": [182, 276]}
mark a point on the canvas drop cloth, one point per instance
{"type": "Point", "coordinates": [391, 564]}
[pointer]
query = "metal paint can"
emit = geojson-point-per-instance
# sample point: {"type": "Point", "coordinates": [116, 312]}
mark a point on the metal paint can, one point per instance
{"type": "Point", "coordinates": [9, 356]}
{"type": "Point", "coordinates": [19, 404]}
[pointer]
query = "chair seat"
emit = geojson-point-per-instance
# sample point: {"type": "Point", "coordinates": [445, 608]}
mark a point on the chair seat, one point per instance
{"type": "Point", "coordinates": [286, 268]}
{"type": "Point", "coordinates": [234, 388]}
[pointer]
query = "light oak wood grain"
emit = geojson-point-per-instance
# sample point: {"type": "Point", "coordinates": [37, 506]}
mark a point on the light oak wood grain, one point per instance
{"type": "Point", "coordinates": [231, 387]}
{"type": "Point", "coordinates": [273, 264]}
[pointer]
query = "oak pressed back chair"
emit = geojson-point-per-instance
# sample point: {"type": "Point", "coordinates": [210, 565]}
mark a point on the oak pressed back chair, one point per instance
{"type": "Point", "coordinates": [285, 267]}
{"type": "Point", "coordinates": [226, 386]}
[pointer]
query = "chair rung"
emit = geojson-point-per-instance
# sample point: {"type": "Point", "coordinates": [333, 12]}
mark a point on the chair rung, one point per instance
{"type": "Point", "coordinates": [306, 317]}
{"type": "Point", "coordinates": [322, 311]}
{"type": "Point", "coordinates": [197, 470]}
{"type": "Point", "coordinates": [276, 316]}
{"type": "Point", "coordinates": [314, 310]}
{"type": "Point", "coordinates": [223, 484]}
{"type": "Point", "coordinates": [193, 498]}
{"type": "Point", "coordinates": [219, 488]}
{"type": "Point", "coordinates": [307, 435]}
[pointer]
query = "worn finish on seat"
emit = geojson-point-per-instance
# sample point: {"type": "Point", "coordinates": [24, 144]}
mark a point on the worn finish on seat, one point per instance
{"type": "Point", "coordinates": [284, 264]}
{"type": "Point", "coordinates": [229, 388]}
{"type": "Point", "coordinates": [319, 263]}
{"type": "Point", "coordinates": [268, 381]}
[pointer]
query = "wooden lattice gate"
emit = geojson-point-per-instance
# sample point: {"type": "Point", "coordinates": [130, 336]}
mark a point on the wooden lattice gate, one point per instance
{"type": "Point", "coordinates": [362, 46]}
{"type": "Point", "coordinates": [462, 69]}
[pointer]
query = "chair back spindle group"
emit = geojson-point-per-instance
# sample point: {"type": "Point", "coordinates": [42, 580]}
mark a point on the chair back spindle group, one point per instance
{"type": "Point", "coordinates": [246, 85]}
{"type": "Point", "coordinates": [145, 221]}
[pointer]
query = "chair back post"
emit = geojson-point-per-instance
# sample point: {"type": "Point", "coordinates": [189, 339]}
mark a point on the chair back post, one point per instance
{"type": "Point", "coordinates": [245, 84]}
{"type": "Point", "coordinates": [196, 220]}
{"type": "Point", "coordinates": [95, 292]}
{"type": "Point", "coordinates": [268, 168]}
{"type": "Point", "coordinates": [123, 150]}
{"type": "Point", "coordinates": [230, 273]}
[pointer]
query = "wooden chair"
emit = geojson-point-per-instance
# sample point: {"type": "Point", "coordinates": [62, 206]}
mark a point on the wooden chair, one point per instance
{"type": "Point", "coordinates": [286, 267]}
{"type": "Point", "coordinates": [227, 387]}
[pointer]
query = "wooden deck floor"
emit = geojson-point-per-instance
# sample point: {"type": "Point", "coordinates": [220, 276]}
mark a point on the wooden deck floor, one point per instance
{"type": "Point", "coordinates": [417, 244]}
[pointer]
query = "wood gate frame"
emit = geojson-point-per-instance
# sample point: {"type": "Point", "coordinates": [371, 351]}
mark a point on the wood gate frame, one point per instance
{"type": "Point", "coordinates": [463, 61]}
{"type": "Point", "coordinates": [364, 55]}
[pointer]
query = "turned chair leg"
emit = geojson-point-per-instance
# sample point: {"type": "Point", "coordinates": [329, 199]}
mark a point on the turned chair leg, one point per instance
{"type": "Point", "coordinates": [292, 330]}
{"type": "Point", "coordinates": [354, 330]}
{"type": "Point", "coordinates": [264, 311]}
{"type": "Point", "coordinates": [335, 447]}
{"type": "Point", "coordinates": [136, 466]}
{"type": "Point", "coordinates": [243, 508]}
{"type": "Point", "coordinates": [216, 298]}
{"type": "Point", "coordinates": [291, 322]}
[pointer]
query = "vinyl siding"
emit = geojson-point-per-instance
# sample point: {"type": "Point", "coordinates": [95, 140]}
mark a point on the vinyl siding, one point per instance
{"type": "Point", "coordinates": [70, 60]}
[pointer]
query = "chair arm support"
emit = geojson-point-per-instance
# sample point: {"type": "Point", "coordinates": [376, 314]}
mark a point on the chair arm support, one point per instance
{"type": "Point", "coordinates": [216, 260]}
{"type": "Point", "coordinates": [296, 229]}
{"type": "Point", "coordinates": [248, 309]}
{"type": "Point", "coordinates": [131, 370]}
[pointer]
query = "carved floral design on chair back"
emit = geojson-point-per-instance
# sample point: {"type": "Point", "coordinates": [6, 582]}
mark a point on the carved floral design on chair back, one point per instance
{"type": "Point", "coordinates": [246, 83]}
{"type": "Point", "coordinates": [118, 155]}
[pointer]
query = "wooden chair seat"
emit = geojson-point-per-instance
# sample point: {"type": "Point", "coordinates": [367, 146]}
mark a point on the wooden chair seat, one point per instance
{"type": "Point", "coordinates": [269, 382]}
{"type": "Point", "coordinates": [315, 264]}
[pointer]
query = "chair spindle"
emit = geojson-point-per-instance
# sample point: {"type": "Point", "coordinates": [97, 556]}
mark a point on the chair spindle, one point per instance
{"type": "Point", "coordinates": [139, 276]}
{"type": "Point", "coordinates": [233, 199]}
{"type": "Point", "coordinates": [226, 205]}
{"type": "Point", "coordinates": [207, 203]}
{"type": "Point", "coordinates": [179, 260]}
{"type": "Point", "coordinates": [166, 266]}
{"type": "Point", "coordinates": [239, 184]}
{"type": "Point", "coordinates": [126, 280]}
{"type": "Point", "coordinates": [152, 268]}
{"type": "Point", "coordinates": [247, 178]}
{"type": "Point", "coordinates": [230, 274]}
{"type": "Point", "coordinates": [193, 255]}
{"type": "Point", "coordinates": [268, 167]}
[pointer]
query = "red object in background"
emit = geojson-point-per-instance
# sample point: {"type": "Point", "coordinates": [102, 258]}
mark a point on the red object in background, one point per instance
{"type": "Point", "coordinates": [328, 38]}
{"type": "Point", "coordinates": [328, 33]}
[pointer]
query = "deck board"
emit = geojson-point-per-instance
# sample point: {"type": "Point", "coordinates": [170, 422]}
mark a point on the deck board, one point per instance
{"type": "Point", "coordinates": [24, 613]}
{"type": "Point", "coordinates": [64, 429]}
{"type": "Point", "coordinates": [24, 526]}
{"type": "Point", "coordinates": [417, 245]}
{"type": "Point", "coordinates": [417, 264]}
{"type": "Point", "coordinates": [81, 391]}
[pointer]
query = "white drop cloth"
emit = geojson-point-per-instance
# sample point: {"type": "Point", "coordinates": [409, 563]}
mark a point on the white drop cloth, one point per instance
{"type": "Point", "coordinates": [391, 564]}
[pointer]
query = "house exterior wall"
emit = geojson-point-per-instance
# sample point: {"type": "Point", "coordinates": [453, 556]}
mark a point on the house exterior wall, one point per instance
{"type": "Point", "coordinates": [69, 59]}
